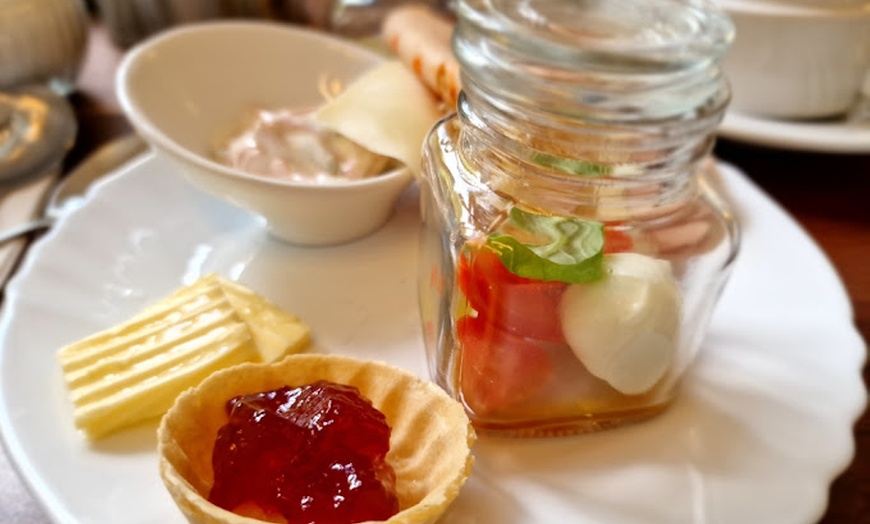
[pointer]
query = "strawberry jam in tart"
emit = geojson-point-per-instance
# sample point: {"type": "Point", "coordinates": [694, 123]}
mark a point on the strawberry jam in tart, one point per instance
{"type": "Point", "coordinates": [314, 453]}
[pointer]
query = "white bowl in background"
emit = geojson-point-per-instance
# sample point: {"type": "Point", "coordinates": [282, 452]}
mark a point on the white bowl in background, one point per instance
{"type": "Point", "coordinates": [183, 87]}
{"type": "Point", "coordinates": [797, 59]}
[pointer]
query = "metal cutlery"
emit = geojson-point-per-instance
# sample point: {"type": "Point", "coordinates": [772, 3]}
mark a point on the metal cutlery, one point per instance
{"type": "Point", "coordinates": [72, 187]}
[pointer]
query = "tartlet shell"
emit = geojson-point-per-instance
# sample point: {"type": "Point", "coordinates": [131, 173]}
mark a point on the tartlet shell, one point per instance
{"type": "Point", "coordinates": [430, 445]}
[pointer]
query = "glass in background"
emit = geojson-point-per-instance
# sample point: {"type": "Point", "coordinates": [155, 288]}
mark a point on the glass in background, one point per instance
{"type": "Point", "coordinates": [42, 42]}
{"type": "Point", "coordinates": [42, 48]}
{"type": "Point", "coordinates": [861, 111]}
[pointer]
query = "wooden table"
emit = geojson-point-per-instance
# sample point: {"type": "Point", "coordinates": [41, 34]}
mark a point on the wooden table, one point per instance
{"type": "Point", "coordinates": [828, 194]}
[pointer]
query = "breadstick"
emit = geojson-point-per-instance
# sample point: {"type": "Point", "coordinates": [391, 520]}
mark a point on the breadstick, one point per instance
{"type": "Point", "coordinates": [420, 37]}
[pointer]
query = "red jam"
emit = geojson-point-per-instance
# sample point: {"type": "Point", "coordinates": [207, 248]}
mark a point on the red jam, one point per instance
{"type": "Point", "coordinates": [308, 454]}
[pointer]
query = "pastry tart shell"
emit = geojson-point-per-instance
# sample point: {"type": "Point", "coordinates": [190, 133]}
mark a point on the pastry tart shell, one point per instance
{"type": "Point", "coordinates": [430, 443]}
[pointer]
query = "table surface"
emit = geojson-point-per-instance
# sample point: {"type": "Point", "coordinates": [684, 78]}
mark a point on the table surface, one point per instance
{"type": "Point", "coordinates": [826, 193]}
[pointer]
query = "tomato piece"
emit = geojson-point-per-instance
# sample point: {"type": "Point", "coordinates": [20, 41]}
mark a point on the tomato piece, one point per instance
{"type": "Point", "coordinates": [616, 241]}
{"type": "Point", "coordinates": [497, 369]}
{"type": "Point", "coordinates": [522, 306]}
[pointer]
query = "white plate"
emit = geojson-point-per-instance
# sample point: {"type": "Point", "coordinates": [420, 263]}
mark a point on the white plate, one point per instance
{"type": "Point", "coordinates": [838, 136]}
{"type": "Point", "coordinates": [764, 425]}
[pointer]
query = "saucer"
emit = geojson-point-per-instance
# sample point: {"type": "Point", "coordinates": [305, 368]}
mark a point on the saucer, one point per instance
{"type": "Point", "coordinates": [834, 136]}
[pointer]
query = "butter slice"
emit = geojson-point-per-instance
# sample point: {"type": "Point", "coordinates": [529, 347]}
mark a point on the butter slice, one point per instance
{"type": "Point", "coordinates": [134, 371]}
{"type": "Point", "coordinates": [276, 333]}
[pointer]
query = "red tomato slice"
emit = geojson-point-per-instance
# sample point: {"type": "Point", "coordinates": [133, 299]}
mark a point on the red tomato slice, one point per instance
{"type": "Point", "coordinates": [616, 241]}
{"type": "Point", "coordinates": [524, 307]}
{"type": "Point", "coordinates": [497, 369]}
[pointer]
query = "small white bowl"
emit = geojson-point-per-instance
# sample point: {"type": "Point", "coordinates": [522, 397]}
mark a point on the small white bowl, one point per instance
{"type": "Point", "coordinates": [797, 59]}
{"type": "Point", "coordinates": [184, 86]}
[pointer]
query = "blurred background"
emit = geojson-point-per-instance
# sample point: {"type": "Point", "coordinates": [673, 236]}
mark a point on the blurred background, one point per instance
{"type": "Point", "coordinates": [131, 20]}
{"type": "Point", "coordinates": [44, 41]}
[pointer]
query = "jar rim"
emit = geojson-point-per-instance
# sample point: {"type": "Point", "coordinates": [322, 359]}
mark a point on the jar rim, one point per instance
{"type": "Point", "coordinates": [559, 32]}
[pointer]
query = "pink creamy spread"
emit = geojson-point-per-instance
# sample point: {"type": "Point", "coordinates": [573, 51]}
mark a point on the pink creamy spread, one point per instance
{"type": "Point", "coordinates": [290, 145]}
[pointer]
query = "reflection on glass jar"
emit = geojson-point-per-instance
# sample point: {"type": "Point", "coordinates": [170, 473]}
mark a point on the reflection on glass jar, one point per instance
{"type": "Point", "coordinates": [42, 42]}
{"type": "Point", "coordinates": [571, 257]}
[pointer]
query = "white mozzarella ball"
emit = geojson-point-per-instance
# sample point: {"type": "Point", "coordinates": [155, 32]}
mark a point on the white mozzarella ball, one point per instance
{"type": "Point", "coordinates": [625, 326]}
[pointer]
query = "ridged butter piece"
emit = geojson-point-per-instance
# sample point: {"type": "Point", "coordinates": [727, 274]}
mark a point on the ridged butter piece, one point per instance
{"type": "Point", "coordinates": [134, 371]}
{"type": "Point", "coordinates": [276, 332]}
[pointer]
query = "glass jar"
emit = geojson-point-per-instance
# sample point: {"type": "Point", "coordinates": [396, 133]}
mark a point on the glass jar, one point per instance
{"type": "Point", "coordinates": [571, 254]}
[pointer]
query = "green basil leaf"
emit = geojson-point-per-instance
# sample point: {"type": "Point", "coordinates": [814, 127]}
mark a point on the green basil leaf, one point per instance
{"type": "Point", "coordinates": [571, 250]}
{"type": "Point", "coordinates": [571, 166]}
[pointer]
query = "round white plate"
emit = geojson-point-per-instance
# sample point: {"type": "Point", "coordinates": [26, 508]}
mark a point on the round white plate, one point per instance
{"type": "Point", "coordinates": [763, 426]}
{"type": "Point", "coordinates": [838, 136]}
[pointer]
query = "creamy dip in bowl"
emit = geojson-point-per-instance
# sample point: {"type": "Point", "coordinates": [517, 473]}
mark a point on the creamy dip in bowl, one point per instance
{"type": "Point", "coordinates": [186, 88]}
